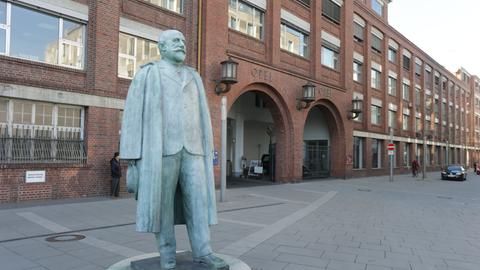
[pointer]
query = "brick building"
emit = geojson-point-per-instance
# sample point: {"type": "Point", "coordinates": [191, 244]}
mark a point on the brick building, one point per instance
{"type": "Point", "coordinates": [66, 66]}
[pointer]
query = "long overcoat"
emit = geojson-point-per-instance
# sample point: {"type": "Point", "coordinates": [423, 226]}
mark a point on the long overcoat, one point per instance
{"type": "Point", "coordinates": [141, 142]}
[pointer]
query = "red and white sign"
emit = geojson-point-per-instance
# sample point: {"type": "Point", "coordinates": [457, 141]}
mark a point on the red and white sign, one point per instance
{"type": "Point", "coordinates": [391, 146]}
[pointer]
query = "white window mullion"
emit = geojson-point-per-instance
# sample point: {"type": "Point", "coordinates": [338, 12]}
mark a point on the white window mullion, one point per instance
{"type": "Point", "coordinates": [60, 41]}
{"type": "Point", "coordinates": [135, 54]}
{"type": "Point", "coordinates": [55, 121]}
{"type": "Point", "coordinates": [10, 117]}
{"type": "Point", "coordinates": [82, 119]}
{"type": "Point", "coordinates": [7, 28]}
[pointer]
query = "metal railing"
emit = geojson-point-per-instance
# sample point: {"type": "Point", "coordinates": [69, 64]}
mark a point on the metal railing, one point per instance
{"type": "Point", "coordinates": [40, 147]}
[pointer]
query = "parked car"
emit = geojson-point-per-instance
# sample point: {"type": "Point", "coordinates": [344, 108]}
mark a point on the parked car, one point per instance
{"type": "Point", "coordinates": [454, 172]}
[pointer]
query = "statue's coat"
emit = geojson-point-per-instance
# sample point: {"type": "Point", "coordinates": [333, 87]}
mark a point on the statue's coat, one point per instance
{"type": "Point", "coordinates": [141, 141]}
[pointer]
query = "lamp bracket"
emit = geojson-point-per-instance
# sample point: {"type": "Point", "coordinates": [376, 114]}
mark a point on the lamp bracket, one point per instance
{"type": "Point", "coordinates": [221, 87]}
{"type": "Point", "coordinates": [302, 104]}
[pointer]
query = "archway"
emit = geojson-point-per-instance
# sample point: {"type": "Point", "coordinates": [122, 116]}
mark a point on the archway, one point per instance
{"type": "Point", "coordinates": [323, 141]}
{"type": "Point", "coordinates": [257, 135]}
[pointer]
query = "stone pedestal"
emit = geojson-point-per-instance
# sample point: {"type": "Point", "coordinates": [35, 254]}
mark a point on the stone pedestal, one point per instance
{"type": "Point", "coordinates": [184, 262]}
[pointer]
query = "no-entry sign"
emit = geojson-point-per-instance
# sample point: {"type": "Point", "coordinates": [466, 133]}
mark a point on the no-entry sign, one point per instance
{"type": "Point", "coordinates": [391, 147]}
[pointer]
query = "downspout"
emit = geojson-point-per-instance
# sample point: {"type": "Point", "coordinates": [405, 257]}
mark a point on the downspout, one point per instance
{"type": "Point", "coordinates": [199, 41]}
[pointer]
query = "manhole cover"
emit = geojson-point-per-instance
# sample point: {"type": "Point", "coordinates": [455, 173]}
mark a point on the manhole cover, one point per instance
{"type": "Point", "coordinates": [364, 189]}
{"type": "Point", "coordinates": [65, 238]}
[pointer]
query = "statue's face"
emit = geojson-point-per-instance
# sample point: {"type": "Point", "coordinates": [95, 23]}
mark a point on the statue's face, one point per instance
{"type": "Point", "coordinates": [174, 48]}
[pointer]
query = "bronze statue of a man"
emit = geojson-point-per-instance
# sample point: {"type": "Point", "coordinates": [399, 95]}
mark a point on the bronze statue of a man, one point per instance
{"type": "Point", "coordinates": [167, 139]}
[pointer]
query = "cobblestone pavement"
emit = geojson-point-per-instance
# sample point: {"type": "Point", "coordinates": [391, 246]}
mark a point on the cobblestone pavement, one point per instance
{"type": "Point", "coordinates": [363, 223]}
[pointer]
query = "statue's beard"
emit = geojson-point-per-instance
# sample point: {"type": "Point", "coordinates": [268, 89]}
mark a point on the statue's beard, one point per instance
{"type": "Point", "coordinates": [177, 56]}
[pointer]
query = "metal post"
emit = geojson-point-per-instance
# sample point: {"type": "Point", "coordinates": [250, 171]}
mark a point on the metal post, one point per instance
{"type": "Point", "coordinates": [424, 165]}
{"type": "Point", "coordinates": [223, 179]}
{"type": "Point", "coordinates": [446, 155]}
{"type": "Point", "coordinates": [391, 156]}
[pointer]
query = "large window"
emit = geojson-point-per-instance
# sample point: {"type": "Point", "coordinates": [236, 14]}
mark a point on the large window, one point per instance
{"type": "Point", "coordinates": [406, 154]}
{"type": "Point", "coordinates": [406, 62]}
{"type": "Point", "coordinates": [375, 78]}
{"type": "Point", "coordinates": [330, 55]}
{"type": "Point", "coordinates": [357, 71]}
{"type": "Point", "coordinates": [392, 55]}
{"type": "Point", "coordinates": [29, 34]}
{"type": "Point", "coordinates": [377, 6]}
{"type": "Point", "coordinates": [245, 18]}
{"type": "Point", "coordinates": [377, 40]}
{"type": "Point", "coordinates": [358, 156]}
{"type": "Point", "coordinates": [376, 153]}
{"type": "Point", "coordinates": [376, 115]}
{"type": "Point", "coordinates": [293, 40]}
{"type": "Point", "coordinates": [392, 86]}
{"type": "Point", "coordinates": [331, 10]}
{"type": "Point", "coordinates": [33, 131]}
{"type": "Point", "coordinates": [406, 92]}
{"type": "Point", "coordinates": [133, 52]}
{"type": "Point", "coordinates": [358, 32]}
{"type": "Point", "coordinates": [392, 119]}
{"type": "Point", "coordinates": [405, 122]}
{"type": "Point", "coordinates": [173, 5]}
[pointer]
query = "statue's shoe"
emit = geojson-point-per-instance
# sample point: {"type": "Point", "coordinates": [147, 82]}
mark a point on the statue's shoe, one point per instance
{"type": "Point", "coordinates": [167, 263]}
{"type": "Point", "coordinates": [212, 261]}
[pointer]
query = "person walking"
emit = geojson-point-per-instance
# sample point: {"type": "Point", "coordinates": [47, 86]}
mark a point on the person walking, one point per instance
{"type": "Point", "coordinates": [116, 172]}
{"type": "Point", "coordinates": [475, 167]}
{"type": "Point", "coordinates": [415, 166]}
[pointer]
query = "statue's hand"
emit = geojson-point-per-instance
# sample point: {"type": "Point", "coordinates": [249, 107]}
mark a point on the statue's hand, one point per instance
{"type": "Point", "coordinates": [132, 177]}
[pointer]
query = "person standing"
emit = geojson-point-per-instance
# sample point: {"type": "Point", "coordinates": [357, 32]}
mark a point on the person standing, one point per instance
{"type": "Point", "coordinates": [415, 167]}
{"type": "Point", "coordinates": [116, 172]}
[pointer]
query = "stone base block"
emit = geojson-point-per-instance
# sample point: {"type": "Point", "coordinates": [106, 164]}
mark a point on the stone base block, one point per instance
{"type": "Point", "coordinates": [184, 262]}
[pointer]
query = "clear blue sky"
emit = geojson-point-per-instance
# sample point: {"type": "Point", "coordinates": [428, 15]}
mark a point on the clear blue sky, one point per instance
{"type": "Point", "coordinates": [448, 31]}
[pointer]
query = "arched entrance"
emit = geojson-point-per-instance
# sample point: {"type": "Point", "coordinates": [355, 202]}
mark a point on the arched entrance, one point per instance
{"type": "Point", "coordinates": [257, 136]}
{"type": "Point", "coordinates": [323, 149]}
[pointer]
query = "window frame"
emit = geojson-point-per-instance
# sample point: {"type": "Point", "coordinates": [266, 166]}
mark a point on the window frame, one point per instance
{"type": "Point", "coordinates": [306, 44]}
{"type": "Point", "coordinates": [255, 9]}
{"type": "Point", "coordinates": [380, 4]}
{"type": "Point", "coordinates": [358, 156]}
{"type": "Point", "coordinates": [356, 33]}
{"type": "Point", "coordinates": [335, 53]}
{"type": "Point", "coordinates": [376, 79]}
{"type": "Point", "coordinates": [358, 72]}
{"type": "Point", "coordinates": [61, 40]}
{"type": "Point", "coordinates": [331, 17]}
{"type": "Point", "coordinates": [392, 87]}
{"type": "Point", "coordinates": [376, 39]}
{"type": "Point", "coordinates": [376, 114]}
{"type": "Point", "coordinates": [130, 57]}
{"type": "Point", "coordinates": [376, 150]}
{"type": "Point", "coordinates": [389, 54]}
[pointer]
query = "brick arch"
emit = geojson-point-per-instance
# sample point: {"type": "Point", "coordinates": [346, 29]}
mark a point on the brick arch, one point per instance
{"type": "Point", "coordinates": [283, 126]}
{"type": "Point", "coordinates": [336, 129]}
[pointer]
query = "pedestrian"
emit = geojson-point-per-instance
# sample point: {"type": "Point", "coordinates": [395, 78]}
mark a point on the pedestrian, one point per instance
{"type": "Point", "coordinates": [116, 172]}
{"type": "Point", "coordinates": [415, 167]}
{"type": "Point", "coordinates": [475, 167]}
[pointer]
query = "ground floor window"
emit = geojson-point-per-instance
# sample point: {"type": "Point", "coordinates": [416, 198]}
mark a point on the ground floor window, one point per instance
{"type": "Point", "coordinates": [406, 154]}
{"type": "Point", "coordinates": [41, 132]}
{"type": "Point", "coordinates": [376, 153]}
{"type": "Point", "coordinates": [358, 145]}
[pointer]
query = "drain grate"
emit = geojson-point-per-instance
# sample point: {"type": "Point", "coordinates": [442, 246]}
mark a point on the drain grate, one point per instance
{"type": "Point", "coordinates": [65, 238]}
{"type": "Point", "coordinates": [444, 197]}
{"type": "Point", "coordinates": [364, 189]}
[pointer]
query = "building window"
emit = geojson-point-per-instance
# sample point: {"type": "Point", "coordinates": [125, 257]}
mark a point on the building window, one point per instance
{"type": "Point", "coordinates": [392, 86]}
{"type": "Point", "coordinates": [245, 18]}
{"type": "Point", "coordinates": [377, 6]}
{"type": "Point", "coordinates": [375, 78]}
{"type": "Point", "coordinates": [418, 68]}
{"type": "Point", "coordinates": [358, 157]}
{"type": "Point", "coordinates": [376, 115]}
{"type": "Point", "coordinates": [405, 121]}
{"type": "Point", "coordinates": [358, 32]}
{"type": "Point", "coordinates": [357, 71]}
{"type": "Point", "coordinates": [293, 40]}
{"type": "Point", "coordinates": [40, 132]}
{"type": "Point", "coordinates": [376, 153]}
{"type": "Point", "coordinates": [376, 43]}
{"type": "Point", "coordinates": [418, 124]}
{"type": "Point", "coordinates": [392, 119]}
{"type": "Point", "coordinates": [392, 55]}
{"type": "Point", "coordinates": [417, 96]}
{"type": "Point", "coordinates": [133, 52]}
{"type": "Point", "coordinates": [406, 92]}
{"type": "Point", "coordinates": [331, 10]}
{"type": "Point", "coordinates": [29, 34]}
{"type": "Point", "coordinates": [406, 154]}
{"type": "Point", "coordinates": [406, 62]}
{"type": "Point", "coordinates": [330, 55]}
{"type": "Point", "coordinates": [173, 5]}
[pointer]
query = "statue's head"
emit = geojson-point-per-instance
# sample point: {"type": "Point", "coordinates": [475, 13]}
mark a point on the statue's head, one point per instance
{"type": "Point", "coordinates": [172, 46]}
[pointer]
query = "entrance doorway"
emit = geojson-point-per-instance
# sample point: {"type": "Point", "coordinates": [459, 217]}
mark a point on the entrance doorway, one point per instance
{"type": "Point", "coordinates": [251, 137]}
{"type": "Point", "coordinates": [316, 142]}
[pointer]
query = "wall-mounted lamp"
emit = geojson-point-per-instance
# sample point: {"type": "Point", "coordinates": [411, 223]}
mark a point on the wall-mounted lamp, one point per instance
{"type": "Point", "coordinates": [308, 96]}
{"type": "Point", "coordinates": [229, 76]}
{"type": "Point", "coordinates": [357, 106]}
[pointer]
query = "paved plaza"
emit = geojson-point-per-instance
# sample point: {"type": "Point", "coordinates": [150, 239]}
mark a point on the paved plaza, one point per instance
{"type": "Point", "coordinates": [365, 224]}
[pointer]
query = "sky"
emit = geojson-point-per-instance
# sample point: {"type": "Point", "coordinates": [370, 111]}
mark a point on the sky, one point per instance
{"type": "Point", "coordinates": [448, 31]}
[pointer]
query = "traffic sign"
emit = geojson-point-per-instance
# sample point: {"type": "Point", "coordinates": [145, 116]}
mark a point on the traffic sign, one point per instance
{"type": "Point", "coordinates": [391, 146]}
{"type": "Point", "coordinates": [391, 152]}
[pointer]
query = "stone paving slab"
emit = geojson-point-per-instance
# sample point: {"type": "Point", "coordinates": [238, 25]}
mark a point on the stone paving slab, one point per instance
{"type": "Point", "coordinates": [368, 224]}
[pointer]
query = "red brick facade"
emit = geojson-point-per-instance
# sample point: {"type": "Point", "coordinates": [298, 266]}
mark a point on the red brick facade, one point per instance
{"type": "Point", "coordinates": [263, 67]}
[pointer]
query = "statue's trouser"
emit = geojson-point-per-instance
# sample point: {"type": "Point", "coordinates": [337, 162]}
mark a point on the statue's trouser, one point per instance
{"type": "Point", "coordinates": [187, 170]}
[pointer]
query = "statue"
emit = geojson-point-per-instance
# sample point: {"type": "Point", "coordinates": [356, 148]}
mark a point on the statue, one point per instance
{"type": "Point", "coordinates": [168, 142]}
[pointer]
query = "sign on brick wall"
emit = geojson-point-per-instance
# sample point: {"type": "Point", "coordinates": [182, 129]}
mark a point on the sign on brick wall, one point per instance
{"type": "Point", "coordinates": [35, 177]}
